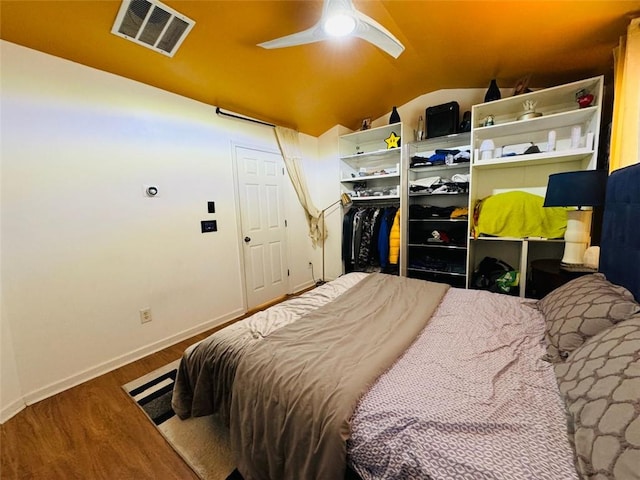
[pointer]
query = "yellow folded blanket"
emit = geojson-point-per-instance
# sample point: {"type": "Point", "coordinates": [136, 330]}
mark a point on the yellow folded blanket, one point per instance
{"type": "Point", "coordinates": [520, 214]}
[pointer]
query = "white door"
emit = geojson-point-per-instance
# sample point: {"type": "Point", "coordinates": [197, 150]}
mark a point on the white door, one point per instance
{"type": "Point", "coordinates": [260, 178]}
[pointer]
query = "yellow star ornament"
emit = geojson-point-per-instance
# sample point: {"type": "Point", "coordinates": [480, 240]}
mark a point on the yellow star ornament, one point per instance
{"type": "Point", "coordinates": [392, 141]}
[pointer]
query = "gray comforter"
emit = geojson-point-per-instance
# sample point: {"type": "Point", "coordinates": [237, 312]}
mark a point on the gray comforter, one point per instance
{"type": "Point", "coordinates": [294, 392]}
{"type": "Point", "coordinates": [207, 369]}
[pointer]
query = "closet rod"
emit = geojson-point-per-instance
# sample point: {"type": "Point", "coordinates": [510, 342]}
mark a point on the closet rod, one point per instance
{"type": "Point", "coordinates": [247, 119]}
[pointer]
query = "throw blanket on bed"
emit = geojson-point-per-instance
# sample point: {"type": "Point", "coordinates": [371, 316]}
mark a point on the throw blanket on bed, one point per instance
{"type": "Point", "coordinates": [207, 369]}
{"type": "Point", "coordinates": [295, 392]}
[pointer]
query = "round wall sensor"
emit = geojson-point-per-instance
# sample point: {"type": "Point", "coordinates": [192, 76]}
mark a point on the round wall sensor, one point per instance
{"type": "Point", "coordinates": [151, 191]}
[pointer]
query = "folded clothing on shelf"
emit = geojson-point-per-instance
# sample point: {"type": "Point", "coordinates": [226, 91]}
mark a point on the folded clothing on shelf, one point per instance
{"type": "Point", "coordinates": [446, 187]}
{"type": "Point", "coordinates": [441, 157]}
{"type": "Point", "coordinates": [426, 182]}
{"type": "Point", "coordinates": [452, 235]}
{"type": "Point", "coordinates": [427, 262]}
{"type": "Point", "coordinates": [460, 212]}
{"type": "Point", "coordinates": [429, 211]}
{"type": "Point", "coordinates": [451, 187]}
{"type": "Point", "coordinates": [461, 178]}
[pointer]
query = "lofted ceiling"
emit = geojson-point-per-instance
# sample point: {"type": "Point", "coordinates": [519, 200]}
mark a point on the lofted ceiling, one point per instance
{"type": "Point", "coordinates": [449, 44]}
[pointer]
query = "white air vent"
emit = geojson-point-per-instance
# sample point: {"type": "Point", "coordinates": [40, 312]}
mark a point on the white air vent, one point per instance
{"type": "Point", "coordinates": [153, 25]}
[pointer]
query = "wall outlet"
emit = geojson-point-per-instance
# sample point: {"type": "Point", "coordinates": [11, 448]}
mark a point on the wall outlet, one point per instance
{"type": "Point", "coordinates": [145, 315]}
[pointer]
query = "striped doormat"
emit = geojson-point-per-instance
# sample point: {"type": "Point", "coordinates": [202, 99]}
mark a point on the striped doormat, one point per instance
{"type": "Point", "coordinates": [154, 396]}
{"type": "Point", "coordinates": [202, 442]}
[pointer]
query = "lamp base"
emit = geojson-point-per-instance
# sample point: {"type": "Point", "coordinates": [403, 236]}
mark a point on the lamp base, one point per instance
{"type": "Point", "coordinates": [573, 253]}
{"type": "Point", "coordinates": [576, 237]}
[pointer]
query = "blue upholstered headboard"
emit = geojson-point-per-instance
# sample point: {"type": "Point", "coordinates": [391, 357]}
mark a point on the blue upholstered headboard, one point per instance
{"type": "Point", "coordinates": [620, 243]}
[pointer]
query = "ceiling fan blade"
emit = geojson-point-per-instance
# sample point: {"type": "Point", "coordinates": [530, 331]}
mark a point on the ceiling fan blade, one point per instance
{"type": "Point", "coordinates": [371, 31]}
{"type": "Point", "coordinates": [311, 35]}
{"type": "Point", "coordinates": [366, 28]}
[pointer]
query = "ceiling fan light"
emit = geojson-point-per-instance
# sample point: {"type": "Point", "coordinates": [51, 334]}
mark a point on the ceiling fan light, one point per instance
{"type": "Point", "coordinates": [339, 25]}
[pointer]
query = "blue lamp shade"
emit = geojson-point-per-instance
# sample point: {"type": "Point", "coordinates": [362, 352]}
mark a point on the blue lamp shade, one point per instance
{"type": "Point", "coordinates": [584, 188]}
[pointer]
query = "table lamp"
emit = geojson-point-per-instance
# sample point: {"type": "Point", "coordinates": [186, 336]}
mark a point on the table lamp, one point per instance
{"type": "Point", "coordinates": [584, 188]}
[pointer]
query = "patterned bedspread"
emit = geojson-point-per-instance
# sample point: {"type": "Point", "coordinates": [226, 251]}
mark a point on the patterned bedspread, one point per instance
{"type": "Point", "coordinates": [476, 401]}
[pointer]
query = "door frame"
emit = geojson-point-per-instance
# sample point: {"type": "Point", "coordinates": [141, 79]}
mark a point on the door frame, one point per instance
{"type": "Point", "coordinates": [239, 236]}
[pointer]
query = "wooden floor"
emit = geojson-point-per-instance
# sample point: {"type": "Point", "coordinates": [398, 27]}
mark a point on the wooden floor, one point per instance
{"type": "Point", "coordinates": [93, 431]}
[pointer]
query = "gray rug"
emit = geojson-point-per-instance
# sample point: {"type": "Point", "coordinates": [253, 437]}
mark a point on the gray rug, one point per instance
{"type": "Point", "coordinates": [202, 442]}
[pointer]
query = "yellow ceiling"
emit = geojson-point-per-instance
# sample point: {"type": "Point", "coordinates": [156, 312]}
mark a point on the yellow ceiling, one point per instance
{"type": "Point", "coordinates": [449, 44]}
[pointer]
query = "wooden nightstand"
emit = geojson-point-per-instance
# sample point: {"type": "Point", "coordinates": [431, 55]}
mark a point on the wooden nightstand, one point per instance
{"type": "Point", "coordinates": [547, 274]}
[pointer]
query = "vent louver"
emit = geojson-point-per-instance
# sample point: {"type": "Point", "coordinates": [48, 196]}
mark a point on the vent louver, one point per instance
{"type": "Point", "coordinates": [153, 25]}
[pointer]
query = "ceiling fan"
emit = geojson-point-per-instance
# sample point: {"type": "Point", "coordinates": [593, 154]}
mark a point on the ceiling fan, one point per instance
{"type": "Point", "coordinates": [340, 18]}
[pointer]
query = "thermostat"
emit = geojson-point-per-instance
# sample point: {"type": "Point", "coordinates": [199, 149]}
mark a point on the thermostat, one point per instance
{"type": "Point", "coordinates": [150, 190]}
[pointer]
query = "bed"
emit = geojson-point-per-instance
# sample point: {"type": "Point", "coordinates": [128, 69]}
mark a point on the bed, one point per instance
{"type": "Point", "coordinates": [397, 378]}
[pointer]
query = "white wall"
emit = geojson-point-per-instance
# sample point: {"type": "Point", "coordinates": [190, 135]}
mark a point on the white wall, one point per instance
{"type": "Point", "coordinates": [11, 401]}
{"type": "Point", "coordinates": [83, 249]}
{"type": "Point", "coordinates": [329, 165]}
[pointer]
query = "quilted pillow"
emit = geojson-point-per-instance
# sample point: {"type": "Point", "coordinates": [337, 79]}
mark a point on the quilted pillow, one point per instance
{"type": "Point", "coordinates": [600, 383]}
{"type": "Point", "coordinates": [580, 309]}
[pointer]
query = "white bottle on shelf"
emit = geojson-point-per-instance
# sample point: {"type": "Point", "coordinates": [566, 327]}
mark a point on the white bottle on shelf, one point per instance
{"type": "Point", "coordinates": [551, 141]}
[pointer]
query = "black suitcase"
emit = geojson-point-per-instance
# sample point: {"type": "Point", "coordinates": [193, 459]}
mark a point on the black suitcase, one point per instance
{"type": "Point", "coordinates": [442, 119]}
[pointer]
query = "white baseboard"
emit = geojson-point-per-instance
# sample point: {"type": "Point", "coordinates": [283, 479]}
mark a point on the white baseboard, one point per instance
{"type": "Point", "coordinates": [61, 385]}
{"type": "Point", "coordinates": [11, 410]}
{"type": "Point", "coordinates": [106, 367]}
{"type": "Point", "coordinates": [303, 286]}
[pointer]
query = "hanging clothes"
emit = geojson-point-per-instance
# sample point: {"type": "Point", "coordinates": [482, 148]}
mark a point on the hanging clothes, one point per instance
{"type": "Point", "coordinates": [394, 240]}
{"type": "Point", "coordinates": [368, 222]}
{"type": "Point", "coordinates": [357, 235]}
{"type": "Point", "coordinates": [365, 238]}
{"type": "Point", "coordinates": [347, 239]}
{"type": "Point", "coordinates": [383, 236]}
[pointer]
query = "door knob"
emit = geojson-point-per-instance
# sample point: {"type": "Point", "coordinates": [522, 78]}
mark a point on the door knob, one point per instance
{"type": "Point", "coordinates": [247, 239]}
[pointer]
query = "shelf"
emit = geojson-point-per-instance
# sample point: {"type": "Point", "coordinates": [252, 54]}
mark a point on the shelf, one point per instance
{"type": "Point", "coordinates": [372, 134]}
{"type": "Point", "coordinates": [376, 153]}
{"type": "Point", "coordinates": [370, 177]}
{"type": "Point", "coordinates": [418, 229]}
{"type": "Point", "coordinates": [457, 141]}
{"type": "Point", "coordinates": [517, 239]}
{"type": "Point", "coordinates": [436, 219]}
{"type": "Point", "coordinates": [369, 143]}
{"type": "Point", "coordinates": [439, 272]}
{"type": "Point", "coordinates": [440, 168]}
{"type": "Point", "coordinates": [418, 194]}
{"type": "Point", "coordinates": [438, 245]}
{"type": "Point", "coordinates": [543, 158]}
{"type": "Point", "coordinates": [530, 173]}
{"type": "Point", "coordinates": [378, 197]}
{"type": "Point", "coordinates": [545, 122]}
{"type": "Point", "coordinates": [365, 160]}
{"type": "Point", "coordinates": [550, 101]}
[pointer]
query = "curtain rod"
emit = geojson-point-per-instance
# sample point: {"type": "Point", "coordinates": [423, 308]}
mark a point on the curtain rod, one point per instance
{"type": "Point", "coordinates": [247, 119]}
